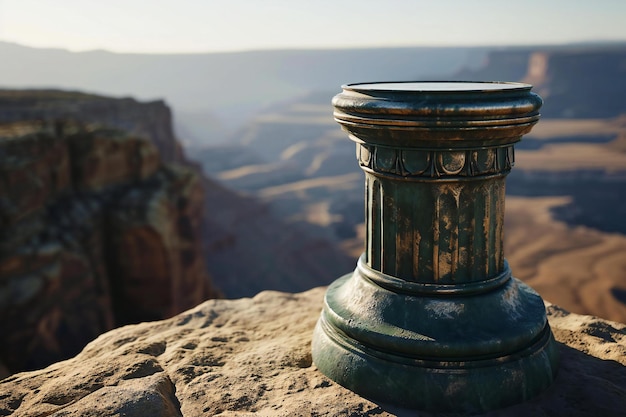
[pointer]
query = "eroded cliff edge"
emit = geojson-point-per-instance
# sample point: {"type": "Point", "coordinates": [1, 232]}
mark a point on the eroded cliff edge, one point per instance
{"type": "Point", "coordinates": [252, 357]}
{"type": "Point", "coordinates": [104, 222]}
{"type": "Point", "coordinates": [95, 231]}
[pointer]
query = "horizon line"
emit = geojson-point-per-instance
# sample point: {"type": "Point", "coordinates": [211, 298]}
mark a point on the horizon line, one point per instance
{"type": "Point", "coordinates": [579, 43]}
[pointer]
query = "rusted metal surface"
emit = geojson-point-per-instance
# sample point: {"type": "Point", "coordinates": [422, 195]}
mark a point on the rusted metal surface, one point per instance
{"type": "Point", "coordinates": [431, 317]}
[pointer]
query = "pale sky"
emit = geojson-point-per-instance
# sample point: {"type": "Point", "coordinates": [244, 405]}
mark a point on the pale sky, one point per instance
{"type": "Point", "coordinates": [166, 26]}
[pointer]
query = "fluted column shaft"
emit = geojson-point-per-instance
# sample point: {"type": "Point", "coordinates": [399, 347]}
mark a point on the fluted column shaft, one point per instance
{"type": "Point", "coordinates": [435, 216]}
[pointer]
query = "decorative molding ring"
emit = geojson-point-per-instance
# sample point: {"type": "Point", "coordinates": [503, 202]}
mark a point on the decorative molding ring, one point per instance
{"type": "Point", "coordinates": [416, 288]}
{"type": "Point", "coordinates": [413, 163]}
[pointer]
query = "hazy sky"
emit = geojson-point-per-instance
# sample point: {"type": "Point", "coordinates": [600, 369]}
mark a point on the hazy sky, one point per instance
{"type": "Point", "coordinates": [232, 25]}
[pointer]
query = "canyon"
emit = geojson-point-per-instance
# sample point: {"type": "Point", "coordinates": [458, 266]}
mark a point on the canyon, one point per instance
{"type": "Point", "coordinates": [107, 219]}
{"type": "Point", "coordinates": [97, 232]}
{"type": "Point", "coordinates": [105, 222]}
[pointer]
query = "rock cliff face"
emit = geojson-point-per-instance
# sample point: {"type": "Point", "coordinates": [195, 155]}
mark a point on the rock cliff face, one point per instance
{"type": "Point", "coordinates": [95, 231]}
{"type": "Point", "coordinates": [252, 357]}
{"type": "Point", "coordinates": [103, 227]}
{"type": "Point", "coordinates": [152, 120]}
{"type": "Point", "coordinates": [579, 83]}
{"type": "Point", "coordinates": [575, 82]}
{"type": "Point", "coordinates": [247, 247]}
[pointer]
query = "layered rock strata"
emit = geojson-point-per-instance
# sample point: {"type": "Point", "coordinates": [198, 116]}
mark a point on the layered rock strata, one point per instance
{"type": "Point", "coordinates": [143, 225]}
{"type": "Point", "coordinates": [95, 231]}
{"type": "Point", "coordinates": [577, 82]}
{"type": "Point", "coordinates": [151, 120]}
{"type": "Point", "coordinates": [278, 254]}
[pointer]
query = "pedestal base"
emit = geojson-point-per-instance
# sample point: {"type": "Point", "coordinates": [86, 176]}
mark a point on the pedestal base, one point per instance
{"type": "Point", "coordinates": [436, 352]}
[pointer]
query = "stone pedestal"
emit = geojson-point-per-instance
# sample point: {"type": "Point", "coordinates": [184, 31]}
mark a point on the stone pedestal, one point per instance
{"type": "Point", "coordinates": [431, 317]}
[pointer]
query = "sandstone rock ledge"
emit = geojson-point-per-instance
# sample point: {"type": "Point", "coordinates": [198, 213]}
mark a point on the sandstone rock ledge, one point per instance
{"type": "Point", "coordinates": [252, 357]}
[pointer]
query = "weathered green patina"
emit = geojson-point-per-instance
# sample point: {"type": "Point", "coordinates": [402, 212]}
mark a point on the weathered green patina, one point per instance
{"type": "Point", "coordinates": [431, 317]}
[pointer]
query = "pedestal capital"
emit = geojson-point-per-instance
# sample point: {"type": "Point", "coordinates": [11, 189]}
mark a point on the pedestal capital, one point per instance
{"type": "Point", "coordinates": [437, 114]}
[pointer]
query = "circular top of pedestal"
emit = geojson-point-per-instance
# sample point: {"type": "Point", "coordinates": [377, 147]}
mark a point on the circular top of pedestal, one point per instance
{"type": "Point", "coordinates": [437, 114]}
{"type": "Point", "coordinates": [437, 86]}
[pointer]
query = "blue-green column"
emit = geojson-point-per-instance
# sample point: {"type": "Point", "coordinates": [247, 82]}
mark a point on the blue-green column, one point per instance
{"type": "Point", "coordinates": [431, 317]}
{"type": "Point", "coordinates": [435, 216]}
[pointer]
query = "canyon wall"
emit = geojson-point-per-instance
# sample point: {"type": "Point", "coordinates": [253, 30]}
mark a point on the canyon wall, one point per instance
{"type": "Point", "coordinates": [96, 230]}
{"type": "Point", "coordinates": [105, 222]}
{"type": "Point", "coordinates": [575, 81]}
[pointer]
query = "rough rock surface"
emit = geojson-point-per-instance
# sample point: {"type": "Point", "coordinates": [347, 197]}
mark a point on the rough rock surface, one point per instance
{"type": "Point", "coordinates": [252, 356]}
{"type": "Point", "coordinates": [95, 231]}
